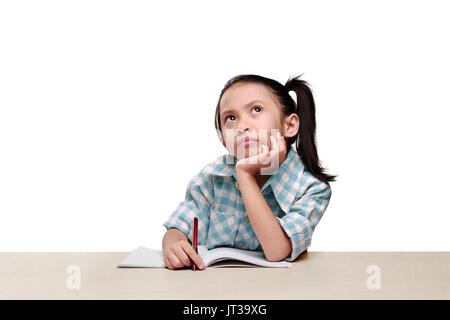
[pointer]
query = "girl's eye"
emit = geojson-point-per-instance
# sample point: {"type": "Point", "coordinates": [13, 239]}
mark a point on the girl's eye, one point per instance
{"type": "Point", "coordinates": [254, 108]}
{"type": "Point", "coordinates": [226, 118]}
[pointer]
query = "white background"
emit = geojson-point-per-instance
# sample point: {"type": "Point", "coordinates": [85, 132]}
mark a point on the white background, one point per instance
{"type": "Point", "coordinates": [107, 109]}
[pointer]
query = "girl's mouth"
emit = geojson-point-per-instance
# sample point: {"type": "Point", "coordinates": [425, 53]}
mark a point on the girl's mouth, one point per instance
{"type": "Point", "coordinates": [247, 141]}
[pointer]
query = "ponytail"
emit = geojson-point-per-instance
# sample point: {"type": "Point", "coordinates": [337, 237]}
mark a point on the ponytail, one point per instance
{"type": "Point", "coordinates": [305, 140]}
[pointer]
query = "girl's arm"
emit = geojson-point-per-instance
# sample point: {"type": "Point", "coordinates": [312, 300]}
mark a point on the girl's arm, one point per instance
{"type": "Point", "coordinates": [197, 203]}
{"type": "Point", "coordinates": [274, 241]}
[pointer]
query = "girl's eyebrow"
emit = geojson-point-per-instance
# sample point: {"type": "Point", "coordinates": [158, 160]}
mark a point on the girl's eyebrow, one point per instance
{"type": "Point", "coordinates": [246, 106]}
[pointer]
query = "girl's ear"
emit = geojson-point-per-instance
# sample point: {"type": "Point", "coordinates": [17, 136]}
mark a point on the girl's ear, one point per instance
{"type": "Point", "coordinates": [291, 125]}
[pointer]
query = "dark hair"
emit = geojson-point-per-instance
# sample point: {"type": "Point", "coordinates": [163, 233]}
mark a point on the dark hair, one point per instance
{"type": "Point", "coordinates": [305, 139]}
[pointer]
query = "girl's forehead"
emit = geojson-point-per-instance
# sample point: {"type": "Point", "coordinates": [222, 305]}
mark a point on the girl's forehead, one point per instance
{"type": "Point", "coordinates": [242, 93]}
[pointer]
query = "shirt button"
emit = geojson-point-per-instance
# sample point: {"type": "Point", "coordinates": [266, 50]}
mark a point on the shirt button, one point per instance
{"type": "Point", "coordinates": [247, 219]}
{"type": "Point", "coordinates": [240, 244]}
{"type": "Point", "coordinates": [237, 184]}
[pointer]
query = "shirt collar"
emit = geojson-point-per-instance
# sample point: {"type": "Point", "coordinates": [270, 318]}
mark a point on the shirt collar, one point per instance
{"type": "Point", "coordinates": [285, 183]}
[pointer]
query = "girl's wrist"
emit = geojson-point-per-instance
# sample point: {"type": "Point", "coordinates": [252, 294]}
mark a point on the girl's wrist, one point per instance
{"type": "Point", "coordinates": [243, 174]}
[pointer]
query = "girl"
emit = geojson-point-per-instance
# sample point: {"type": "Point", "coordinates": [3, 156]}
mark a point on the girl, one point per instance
{"type": "Point", "coordinates": [263, 195]}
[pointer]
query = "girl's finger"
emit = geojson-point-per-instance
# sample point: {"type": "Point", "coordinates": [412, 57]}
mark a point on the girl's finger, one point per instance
{"type": "Point", "coordinates": [167, 262]}
{"type": "Point", "coordinates": [274, 143]}
{"type": "Point", "coordinates": [194, 256]}
{"type": "Point", "coordinates": [265, 154]}
{"type": "Point", "coordinates": [174, 262]}
{"type": "Point", "coordinates": [182, 256]}
{"type": "Point", "coordinates": [281, 140]}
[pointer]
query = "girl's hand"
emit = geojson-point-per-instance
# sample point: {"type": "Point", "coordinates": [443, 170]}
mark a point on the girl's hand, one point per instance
{"type": "Point", "coordinates": [267, 161]}
{"type": "Point", "coordinates": [180, 254]}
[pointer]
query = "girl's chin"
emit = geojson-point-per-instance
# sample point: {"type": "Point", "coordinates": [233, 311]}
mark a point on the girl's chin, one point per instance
{"type": "Point", "coordinates": [246, 154]}
{"type": "Point", "coordinates": [247, 151]}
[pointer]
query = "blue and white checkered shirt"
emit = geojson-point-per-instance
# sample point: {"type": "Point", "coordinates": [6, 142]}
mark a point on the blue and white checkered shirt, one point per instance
{"type": "Point", "coordinates": [295, 196]}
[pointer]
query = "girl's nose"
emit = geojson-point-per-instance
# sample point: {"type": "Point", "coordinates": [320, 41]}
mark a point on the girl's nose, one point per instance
{"type": "Point", "coordinates": [242, 130]}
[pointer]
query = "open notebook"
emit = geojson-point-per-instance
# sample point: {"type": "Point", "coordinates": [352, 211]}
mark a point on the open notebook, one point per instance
{"type": "Point", "coordinates": [143, 257]}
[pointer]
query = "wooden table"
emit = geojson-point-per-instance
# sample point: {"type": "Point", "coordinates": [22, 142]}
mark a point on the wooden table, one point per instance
{"type": "Point", "coordinates": [314, 275]}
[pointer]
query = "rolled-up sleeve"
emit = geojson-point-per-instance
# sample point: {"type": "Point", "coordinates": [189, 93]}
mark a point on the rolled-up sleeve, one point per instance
{"type": "Point", "coordinates": [197, 203]}
{"type": "Point", "coordinates": [304, 215]}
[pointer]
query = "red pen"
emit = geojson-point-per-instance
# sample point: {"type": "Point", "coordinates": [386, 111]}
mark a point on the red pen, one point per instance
{"type": "Point", "coordinates": [194, 243]}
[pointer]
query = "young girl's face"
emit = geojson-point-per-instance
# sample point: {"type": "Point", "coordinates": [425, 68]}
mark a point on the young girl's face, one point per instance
{"type": "Point", "coordinates": [248, 110]}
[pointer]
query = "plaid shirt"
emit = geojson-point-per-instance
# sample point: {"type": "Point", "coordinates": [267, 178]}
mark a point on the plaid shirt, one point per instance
{"type": "Point", "coordinates": [296, 198]}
